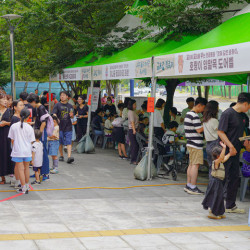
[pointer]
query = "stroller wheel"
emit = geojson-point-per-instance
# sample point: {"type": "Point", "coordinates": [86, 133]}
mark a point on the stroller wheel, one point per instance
{"type": "Point", "coordinates": [174, 175]}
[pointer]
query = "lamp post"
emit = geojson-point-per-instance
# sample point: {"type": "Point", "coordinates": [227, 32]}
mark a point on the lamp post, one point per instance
{"type": "Point", "coordinates": [9, 18]}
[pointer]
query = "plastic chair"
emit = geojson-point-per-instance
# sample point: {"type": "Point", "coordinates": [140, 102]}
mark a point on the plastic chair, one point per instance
{"type": "Point", "coordinates": [141, 142]}
{"type": "Point", "coordinates": [106, 138]}
{"type": "Point", "coordinates": [243, 187]}
{"type": "Point", "coordinates": [96, 136]}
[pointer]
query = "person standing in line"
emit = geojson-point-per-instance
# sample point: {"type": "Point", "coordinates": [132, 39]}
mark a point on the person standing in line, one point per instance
{"type": "Point", "coordinates": [231, 127]}
{"type": "Point", "coordinates": [22, 136]}
{"type": "Point", "coordinates": [18, 106]}
{"type": "Point", "coordinates": [37, 157]}
{"type": "Point", "coordinates": [6, 167]}
{"type": "Point", "coordinates": [190, 103]}
{"type": "Point", "coordinates": [36, 91]}
{"type": "Point", "coordinates": [159, 127]}
{"type": "Point", "coordinates": [210, 124]}
{"type": "Point", "coordinates": [133, 123]}
{"type": "Point", "coordinates": [23, 97]}
{"type": "Point", "coordinates": [53, 146]}
{"type": "Point", "coordinates": [64, 112]}
{"type": "Point", "coordinates": [193, 133]}
{"type": "Point", "coordinates": [82, 117]}
{"type": "Point", "coordinates": [40, 123]}
{"type": "Point", "coordinates": [44, 100]}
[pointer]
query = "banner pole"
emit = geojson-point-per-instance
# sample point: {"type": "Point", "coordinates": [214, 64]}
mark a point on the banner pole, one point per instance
{"type": "Point", "coordinates": [90, 96]}
{"type": "Point", "coordinates": [151, 124]}
{"type": "Point", "coordinates": [248, 82]}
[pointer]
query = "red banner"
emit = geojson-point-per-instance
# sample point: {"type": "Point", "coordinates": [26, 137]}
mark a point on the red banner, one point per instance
{"type": "Point", "coordinates": [89, 101]}
{"type": "Point", "coordinates": [151, 105]}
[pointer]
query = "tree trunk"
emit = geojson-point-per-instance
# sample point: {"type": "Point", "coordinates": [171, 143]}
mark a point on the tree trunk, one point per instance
{"type": "Point", "coordinates": [199, 91]}
{"type": "Point", "coordinates": [225, 91]}
{"type": "Point", "coordinates": [108, 87]}
{"type": "Point", "coordinates": [207, 92]}
{"type": "Point", "coordinates": [221, 91]}
{"type": "Point", "coordinates": [229, 92]}
{"type": "Point", "coordinates": [170, 88]}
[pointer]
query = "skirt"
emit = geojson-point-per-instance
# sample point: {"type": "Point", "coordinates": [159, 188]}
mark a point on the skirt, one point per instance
{"type": "Point", "coordinates": [118, 135]}
{"type": "Point", "coordinates": [53, 147]}
{"type": "Point", "coordinates": [214, 197]}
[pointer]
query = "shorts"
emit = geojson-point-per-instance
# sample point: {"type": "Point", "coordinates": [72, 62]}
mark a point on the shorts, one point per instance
{"type": "Point", "coordinates": [21, 159]}
{"type": "Point", "coordinates": [35, 169]}
{"type": "Point", "coordinates": [65, 138]}
{"type": "Point", "coordinates": [195, 156]}
{"type": "Point", "coordinates": [53, 147]}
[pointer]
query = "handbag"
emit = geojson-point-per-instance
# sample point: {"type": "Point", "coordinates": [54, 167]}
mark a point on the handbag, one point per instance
{"type": "Point", "coordinates": [218, 173]}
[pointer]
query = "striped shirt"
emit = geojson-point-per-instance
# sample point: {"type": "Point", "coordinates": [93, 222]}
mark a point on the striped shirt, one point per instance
{"type": "Point", "coordinates": [192, 122]}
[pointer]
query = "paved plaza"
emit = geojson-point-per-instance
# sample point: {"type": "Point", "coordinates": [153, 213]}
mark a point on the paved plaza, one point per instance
{"type": "Point", "coordinates": [75, 210]}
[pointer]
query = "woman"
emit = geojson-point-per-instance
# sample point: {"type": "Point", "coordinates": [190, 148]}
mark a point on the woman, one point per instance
{"type": "Point", "coordinates": [6, 167]}
{"type": "Point", "coordinates": [125, 113]}
{"type": "Point", "coordinates": [97, 122]}
{"type": "Point", "coordinates": [159, 127]}
{"type": "Point", "coordinates": [133, 122]}
{"type": "Point", "coordinates": [210, 124]}
{"type": "Point", "coordinates": [109, 108]}
{"type": "Point", "coordinates": [82, 118]}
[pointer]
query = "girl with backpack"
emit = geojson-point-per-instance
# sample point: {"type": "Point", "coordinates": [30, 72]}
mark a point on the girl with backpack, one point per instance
{"type": "Point", "coordinates": [22, 136]}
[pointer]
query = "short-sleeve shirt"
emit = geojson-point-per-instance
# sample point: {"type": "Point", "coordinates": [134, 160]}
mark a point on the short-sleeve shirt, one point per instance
{"type": "Point", "coordinates": [23, 137]}
{"type": "Point", "coordinates": [232, 124]}
{"type": "Point", "coordinates": [158, 119]}
{"type": "Point", "coordinates": [210, 129]}
{"type": "Point", "coordinates": [55, 133]}
{"type": "Point", "coordinates": [192, 122]}
{"type": "Point", "coordinates": [133, 117]}
{"type": "Point", "coordinates": [83, 111]}
{"type": "Point", "coordinates": [176, 119]}
{"type": "Point", "coordinates": [14, 119]}
{"type": "Point", "coordinates": [168, 137]}
{"type": "Point", "coordinates": [40, 111]}
{"type": "Point", "coordinates": [110, 108]}
{"type": "Point", "coordinates": [32, 111]}
{"type": "Point", "coordinates": [63, 113]}
{"type": "Point", "coordinates": [37, 148]}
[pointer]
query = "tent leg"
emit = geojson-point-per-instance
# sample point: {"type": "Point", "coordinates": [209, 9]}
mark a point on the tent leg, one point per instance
{"type": "Point", "coordinates": [132, 87]}
{"type": "Point", "coordinates": [248, 83]}
{"type": "Point", "coordinates": [89, 113]}
{"type": "Point", "coordinates": [151, 124]}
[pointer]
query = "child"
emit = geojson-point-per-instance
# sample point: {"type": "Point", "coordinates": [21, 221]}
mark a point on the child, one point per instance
{"type": "Point", "coordinates": [22, 135]}
{"type": "Point", "coordinates": [108, 125]}
{"type": "Point", "coordinates": [214, 200]}
{"type": "Point", "coordinates": [53, 146]}
{"type": "Point", "coordinates": [169, 138]}
{"type": "Point", "coordinates": [37, 157]}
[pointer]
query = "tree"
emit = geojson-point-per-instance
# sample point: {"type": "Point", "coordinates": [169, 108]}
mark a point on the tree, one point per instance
{"type": "Point", "coordinates": [176, 19]}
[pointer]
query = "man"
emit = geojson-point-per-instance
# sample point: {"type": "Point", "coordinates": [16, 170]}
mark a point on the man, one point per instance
{"type": "Point", "coordinates": [71, 101]}
{"type": "Point", "coordinates": [44, 101]}
{"type": "Point", "coordinates": [23, 97]}
{"type": "Point", "coordinates": [36, 91]}
{"type": "Point", "coordinates": [231, 127]}
{"type": "Point", "coordinates": [104, 100]}
{"type": "Point", "coordinates": [193, 132]}
{"type": "Point", "coordinates": [64, 111]}
{"type": "Point", "coordinates": [190, 103]}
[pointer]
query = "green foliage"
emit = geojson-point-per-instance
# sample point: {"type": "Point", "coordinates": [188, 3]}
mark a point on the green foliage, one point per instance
{"type": "Point", "coordinates": [55, 33]}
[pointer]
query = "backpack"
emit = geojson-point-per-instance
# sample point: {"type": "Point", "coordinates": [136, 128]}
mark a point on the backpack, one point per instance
{"type": "Point", "coordinates": [49, 123]}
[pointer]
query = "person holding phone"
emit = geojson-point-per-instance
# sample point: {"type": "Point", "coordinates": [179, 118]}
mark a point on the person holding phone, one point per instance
{"type": "Point", "coordinates": [64, 112]}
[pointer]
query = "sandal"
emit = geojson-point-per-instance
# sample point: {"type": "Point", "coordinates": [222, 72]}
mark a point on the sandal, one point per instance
{"type": "Point", "coordinates": [3, 181]}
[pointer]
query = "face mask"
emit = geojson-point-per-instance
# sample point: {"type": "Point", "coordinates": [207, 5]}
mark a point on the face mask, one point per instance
{"type": "Point", "coordinates": [108, 102]}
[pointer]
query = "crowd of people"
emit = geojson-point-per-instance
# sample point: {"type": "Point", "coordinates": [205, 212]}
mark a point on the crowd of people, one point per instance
{"type": "Point", "coordinates": [29, 135]}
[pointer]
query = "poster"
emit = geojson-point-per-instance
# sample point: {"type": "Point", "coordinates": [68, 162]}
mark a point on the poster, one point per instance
{"type": "Point", "coordinates": [73, 74]}
{"type": "Point", "coordinates": [86, 73]}
{"type": "Point", "coordinates": [94, 98]}
{"type": "Point", "coordinates": [208, 82]}
{"type": "Point", "coordinates": [97, 72]}
{"type": "Point", "coordinates": [143, 68]}
{"type": "Point", "coordinates": [164, 65]}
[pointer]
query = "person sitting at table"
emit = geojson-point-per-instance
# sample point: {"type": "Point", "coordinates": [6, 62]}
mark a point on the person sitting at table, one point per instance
{"type": "Point", "coordinates": [174, 115]}
{"type": "Point", "coordinates": [169, 138]}
{"type": "Point", "coordinates": [109, 108]}
{"type": "Point", "coordinates": [97, 122]}
{"type": "Point", "coordinates": [144, 110]}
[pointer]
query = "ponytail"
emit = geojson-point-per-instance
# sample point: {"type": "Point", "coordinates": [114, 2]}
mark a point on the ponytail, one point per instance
{"type": "Point", "coordinates": [25, 113]}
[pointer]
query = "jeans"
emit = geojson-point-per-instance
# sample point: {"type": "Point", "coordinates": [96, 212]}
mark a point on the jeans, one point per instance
{"type": "Point", "coordinates": [45, 166]}
{"type": "Point", "coordinates": [134, 147]}
{"type": "Point", "coordinates": [98, 132]}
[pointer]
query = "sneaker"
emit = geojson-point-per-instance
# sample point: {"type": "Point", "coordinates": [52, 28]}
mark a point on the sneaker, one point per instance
{"type": "Point", "coordinates": [35, 183]}
{"type": "Point", "coordinates": [195, 191]}
{"type": "Point", "coordinates": [54, 171]}
{"type": "Point", "coordinates": [51, 168]}
{"type": "Point", "coordinates": [45, 177]}
{"type": "Point", "coordinates": [126, 158]}
{"type": "Point", "coordinates": [61, 158]}
{"type": "Point", "coordinates": [214, 217]}
{"type": "Point", "coordinates": [21, 191]}
{"type": "Point", "coordinates": [70, 160]}
{"type": "Point", "coordinates": [32, 176]}
{"type": "Point", "coordinates": [121, 157]}
{"type": "Point", "coordinates": [186, 188]}
{"type": "Point", "coordinates": [236, 210]}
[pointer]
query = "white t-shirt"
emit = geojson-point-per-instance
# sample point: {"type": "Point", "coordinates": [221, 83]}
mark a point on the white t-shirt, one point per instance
{"type": "Point", "coordinates": [168, 138]}
{"type": "Point", "coordinates": [37, 147]}
{"type": "Point", "coordinates": [210, 129]}
{"type": "Point", "coordinates": [158, 119]}
{"type": "Point", "coordinates": [23, 137]}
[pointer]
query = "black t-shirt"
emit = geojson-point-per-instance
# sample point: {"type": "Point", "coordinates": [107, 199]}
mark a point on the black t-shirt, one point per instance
{"type": "Point", "coordinates": [110, 108]}
{"type": "Point", "coordinates": [232, 123]}
{"type": "Point", "coordinates": [14, 119]}
{"type": "Point", "coordinates": [31, 109]}
{"type": "Point", "coordinates": [97, 123]}
{"type": "Point", "coordinates": [62, 111]}
{"type": "Point", "coordinates": [40, 111]}
{"type": "Point", "coordinates": [84, 112]}
{"type": "Point", "coordinates": [44, 102]}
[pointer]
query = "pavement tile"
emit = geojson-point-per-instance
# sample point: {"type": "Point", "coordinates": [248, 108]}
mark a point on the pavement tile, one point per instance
{"type": "Point", "coordinates": [111, 242]}
{"type": "Point", "coordinates": [60, 244]}
{"type": "Point", "coordinates": [191, 246]}
{"type": "Point", "coordinates": [237, 245]}
{"type": "Point", "coordinates": [18, 244]}
{"type": "Point", "coordinates": [46, 227]}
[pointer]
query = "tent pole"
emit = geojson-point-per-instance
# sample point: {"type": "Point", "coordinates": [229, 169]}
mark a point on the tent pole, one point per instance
{"type": "Point", "coordinates": [151, 123]}
{"type": "Point", "coordinates": [91, 91]}
{"type": "Point", "coordinates": [248, 83]}
{"type": "Point", "coordinates": [49, 96]}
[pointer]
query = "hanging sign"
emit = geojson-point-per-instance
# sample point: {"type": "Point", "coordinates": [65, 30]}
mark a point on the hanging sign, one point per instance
{"type": "Point", "coordinates": [94, 98]}
{"type": "Point", "coordinates": [97, 72]}
{"type": "Point", "coordinates": [89, 100]}
{"type": "Point", "coordinates": [165, 65]}
{"type": "Point", "coordinates": [151, 105]}
{"type": "Point", "coordinates": [143, 68]}
{"type": "Point", "coordinates": [73, 74]}
{"type": "Point", "coordinates": [86, 73]}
